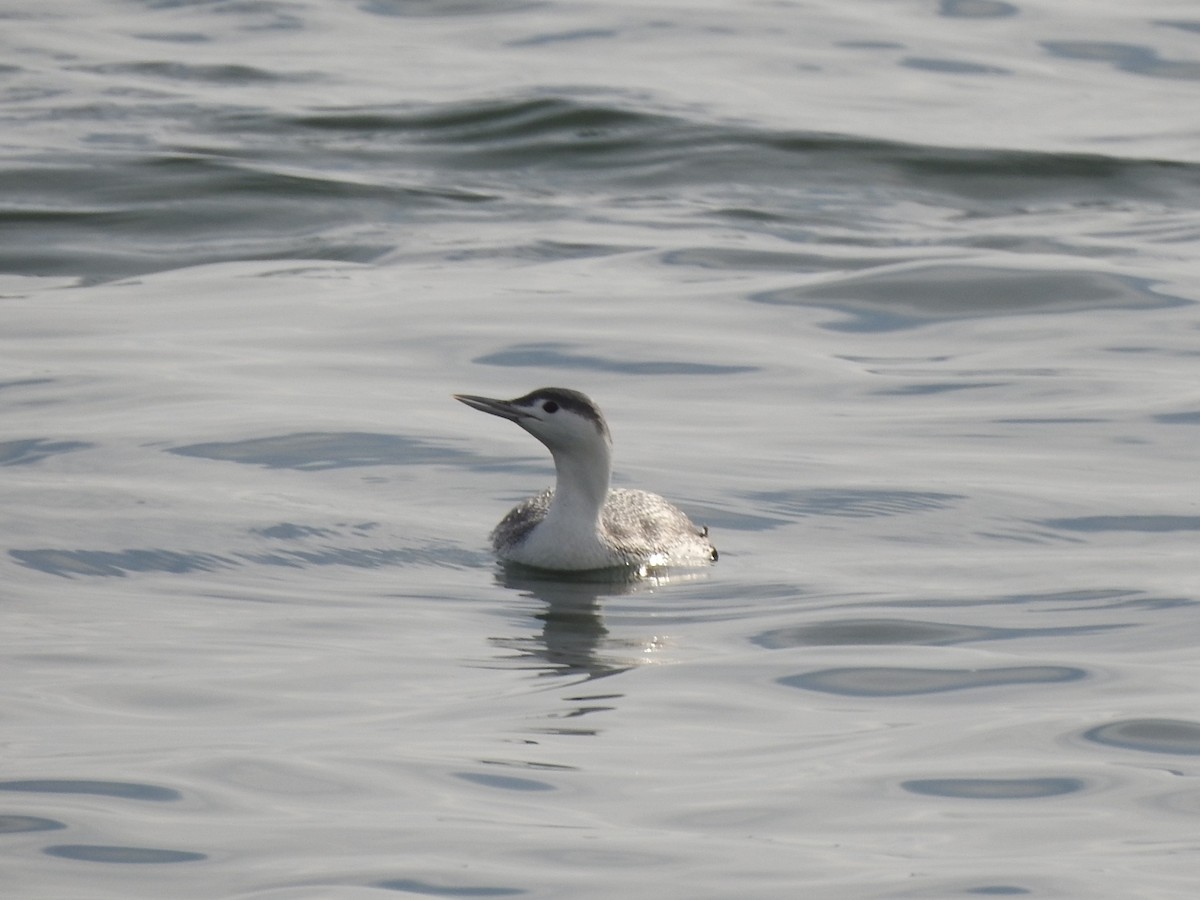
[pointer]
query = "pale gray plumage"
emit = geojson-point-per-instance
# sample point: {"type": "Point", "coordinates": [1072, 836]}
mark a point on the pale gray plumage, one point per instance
{"type": "Point", "coordinates": [583, 524]}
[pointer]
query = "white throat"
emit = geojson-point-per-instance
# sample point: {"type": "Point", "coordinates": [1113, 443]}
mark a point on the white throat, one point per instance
{"type": "Point", "coordinates": [581, 488]}
{"type": "Point", "coordinates": [570, 534]}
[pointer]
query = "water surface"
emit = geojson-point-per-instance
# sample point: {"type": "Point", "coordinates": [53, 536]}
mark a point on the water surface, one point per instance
{"type": "Point", "coordinates": [900, 301]}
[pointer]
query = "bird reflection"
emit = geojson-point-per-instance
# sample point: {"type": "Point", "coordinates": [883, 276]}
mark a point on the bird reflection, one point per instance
{"type": "Point", "coordinates": [573, 639]}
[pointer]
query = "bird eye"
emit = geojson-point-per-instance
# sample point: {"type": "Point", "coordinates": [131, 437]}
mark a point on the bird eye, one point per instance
{"type": "Point", "coordinates": [550, 406]}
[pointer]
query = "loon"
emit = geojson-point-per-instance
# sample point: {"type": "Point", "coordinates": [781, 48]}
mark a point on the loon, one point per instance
{"type": "Point", "coordinates": [583, 524]}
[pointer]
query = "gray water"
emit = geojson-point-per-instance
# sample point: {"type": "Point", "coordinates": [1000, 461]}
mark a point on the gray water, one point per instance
{"type": "Point", "coordinates": [899, 298]}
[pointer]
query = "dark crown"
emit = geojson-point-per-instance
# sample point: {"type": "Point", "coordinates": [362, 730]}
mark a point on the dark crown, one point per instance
{"type": "Point", "coordinates": [578, 403]}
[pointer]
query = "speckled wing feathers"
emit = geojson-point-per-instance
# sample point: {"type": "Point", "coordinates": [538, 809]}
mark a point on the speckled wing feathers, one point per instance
{"type": "Point", "coordinates": [637, 526]}
{"type": "Point", "coordinates": [521, 520]}
{"type": "Point", "coordinates": [649, 526]}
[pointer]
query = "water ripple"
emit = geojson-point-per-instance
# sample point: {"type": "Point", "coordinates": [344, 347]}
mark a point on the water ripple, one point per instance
{"type": "Point", "coordinates": [879, 632]}
{"type": "Point", "coordinates": [549, 355]}
{"type": "Point", "coordinates": [977, 9]}
{"type": "Point", "coordinates": [415, 886]}
{"type": "Point", "coordinates": [892, 298]}
{"type": "Point", "coordinates": [177, 71]}
{"type": "Point", "coordinates": [1133, 58]}
{"type": "Point", "coordinates": [20, 824]}
{"type": "Point", "coordinates": [1191, 417]}
{"type": "Point", "coordinates": [348, 183]}
{"type": "Point", "coordinates": [68, 563]}
{"type": "Point", "coordinates": [315, 451]}
{"type": "Point", "coordinates": [885, 681]}
{"type": "Point", "coordinates": [505, 782]}
{"type": "Point", "coordinates": [851, 503]}
{"type": "Point", "coordinates": [124, 790]}
{"type": "Point", "coordinates": [1150, 735]}
{"type": "Point", "coordinates": [32, 450]}
{"type": "Point", "coordinates": [995, 788]}
{"type": "Point", "coordinates": [1144, 523]}
{"type": "Point", "coordinates": [125, 855]}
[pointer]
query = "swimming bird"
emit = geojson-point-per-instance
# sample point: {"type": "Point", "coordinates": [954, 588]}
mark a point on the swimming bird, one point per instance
{"type": "Point", "coordinates": [582, 523]}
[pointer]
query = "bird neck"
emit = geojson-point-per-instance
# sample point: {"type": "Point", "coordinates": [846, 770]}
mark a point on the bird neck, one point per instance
{"type": "Point", "coordinates": [581, 488]}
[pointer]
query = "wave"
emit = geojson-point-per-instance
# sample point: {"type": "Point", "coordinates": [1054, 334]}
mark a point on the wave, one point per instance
{"type": "Point", "coordinates": [343, 183]}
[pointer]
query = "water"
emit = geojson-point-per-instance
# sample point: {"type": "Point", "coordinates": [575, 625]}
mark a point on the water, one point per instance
{"type": "Point", "coordinates": [899, 299]}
